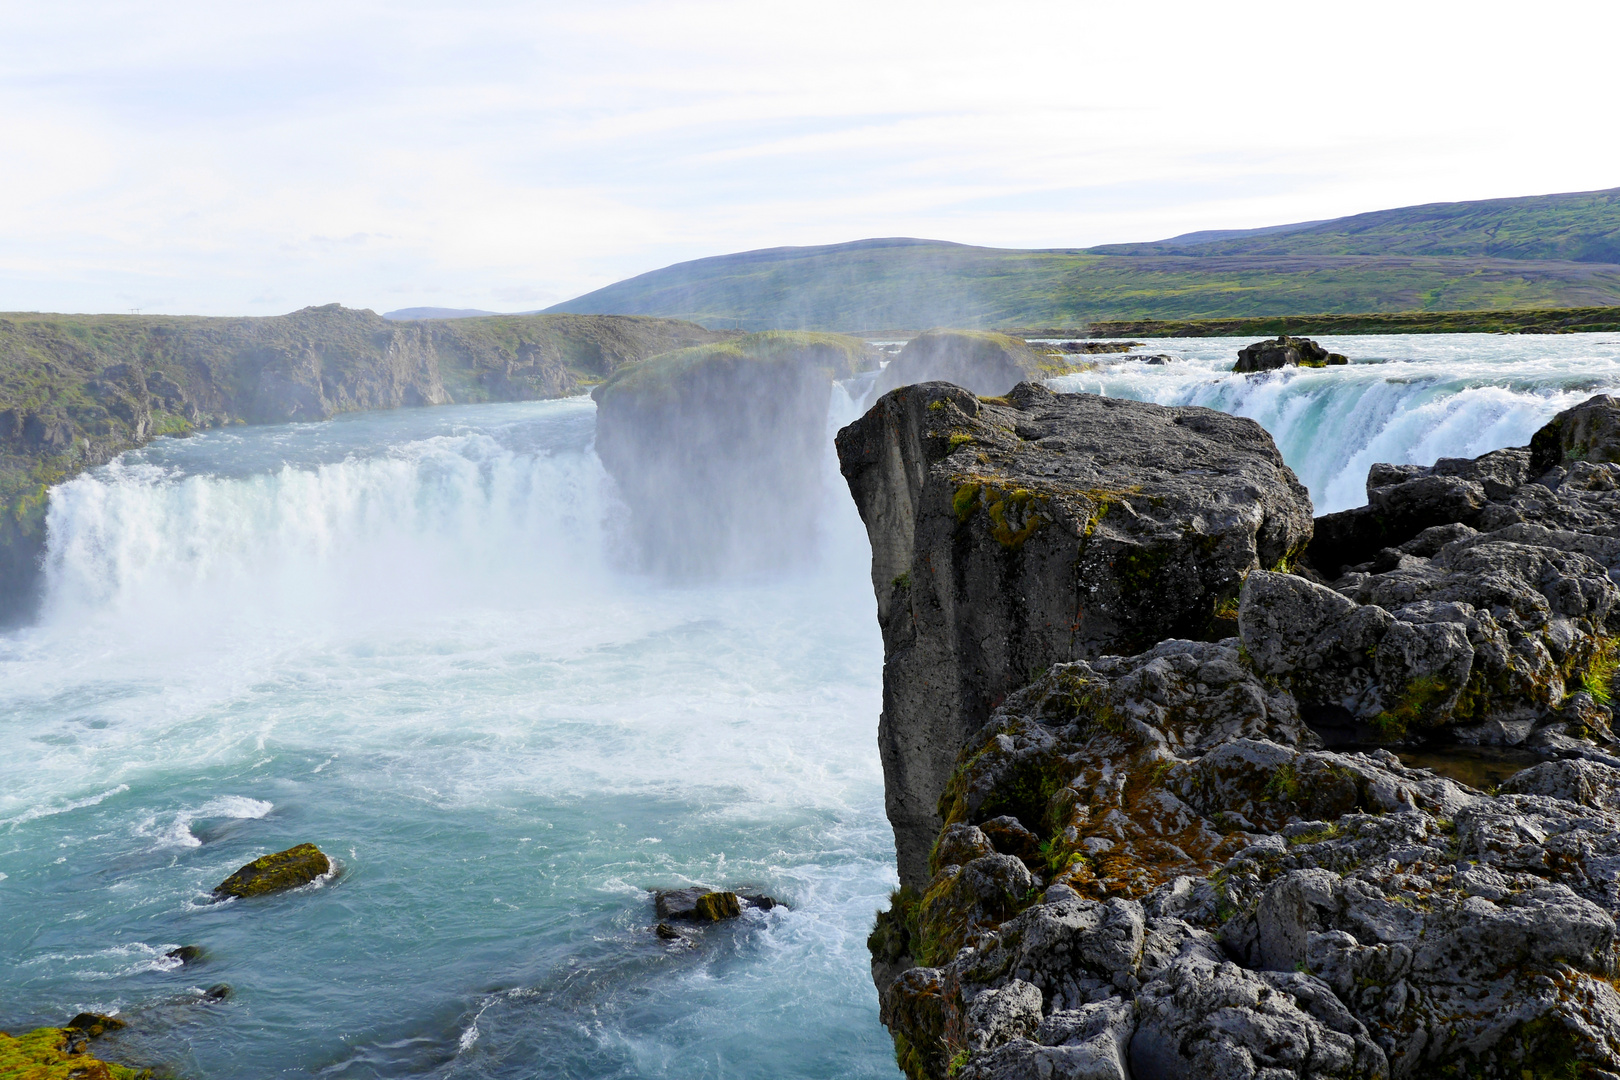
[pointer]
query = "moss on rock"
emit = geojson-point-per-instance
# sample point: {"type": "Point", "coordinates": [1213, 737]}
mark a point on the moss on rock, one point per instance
{"type": "Point", "coordinates": [61, 1054]}
{"type": "Point", "coordinates": [288, 869]}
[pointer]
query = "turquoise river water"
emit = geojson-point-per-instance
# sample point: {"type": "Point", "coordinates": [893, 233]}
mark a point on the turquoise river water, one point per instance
{"type": "Point", "coordinates": [410, 638]}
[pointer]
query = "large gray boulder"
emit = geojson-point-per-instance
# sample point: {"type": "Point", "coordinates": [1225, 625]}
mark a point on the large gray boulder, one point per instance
{"type": "Point", "coordinates": [1011, 535]}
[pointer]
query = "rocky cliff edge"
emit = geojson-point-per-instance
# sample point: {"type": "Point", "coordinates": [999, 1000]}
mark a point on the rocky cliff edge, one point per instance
{"type": "Point", "coordinates": [1012, 533]}
{"type": "Point", "coordinates": [1155, 865]}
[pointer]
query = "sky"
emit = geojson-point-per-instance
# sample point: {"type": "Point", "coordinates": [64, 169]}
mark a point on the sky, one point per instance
{"type": "Point", "coordinates": [217, 159]}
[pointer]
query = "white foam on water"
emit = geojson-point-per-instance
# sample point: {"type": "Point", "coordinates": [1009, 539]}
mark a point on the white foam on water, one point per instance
{"type": "Point", "coordinates": [421, 647]}
{"type": "Point", "coordinates": [177, 831]}
{"type": "Point", "coordinates": [34, 813]}
{"type": "Point", "coordinates": [1402, 399]}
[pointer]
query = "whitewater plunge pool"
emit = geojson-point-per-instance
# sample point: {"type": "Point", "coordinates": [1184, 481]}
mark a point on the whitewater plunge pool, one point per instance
{"type": "Point", "coordinates": [408, 637]}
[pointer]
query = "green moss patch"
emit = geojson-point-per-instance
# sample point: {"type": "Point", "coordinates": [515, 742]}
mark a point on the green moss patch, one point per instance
{"type": "Point", "coordinates": [288, 869]}
{"type": "Point", "coordinates": [58, 1054]}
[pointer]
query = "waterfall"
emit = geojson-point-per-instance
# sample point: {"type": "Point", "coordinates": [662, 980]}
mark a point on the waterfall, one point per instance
{"type": "Point", "coordinates": [1406, 400]}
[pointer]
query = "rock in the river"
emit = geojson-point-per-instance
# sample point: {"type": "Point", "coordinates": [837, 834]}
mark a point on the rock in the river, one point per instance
{"type": "Point", "coordinates": [701, 905]}
{"type": "Point", "coordinates": [983, 362]}
{"type": "Point", "coordinates": [63, 1053]}
{"type": "Point", "coordinates": [187, 954]}
{"type": "Point", "coordinates": [288, 869]}
{"type": "Point", "coordinates": [1092, 348]}
{"type": "Point", "coordinates": [1285, 352]}
{"type": "Point", "coordinates": [1010, 534]}
{"type": "Point", "coordinates": [717, 449]}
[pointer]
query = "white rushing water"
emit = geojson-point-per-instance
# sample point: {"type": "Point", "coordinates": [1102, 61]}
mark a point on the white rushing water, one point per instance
{"type": "Point", "coordinates": [408, 637]}
{"type": "Point", "coordinates": [403, 636]}
{"type": "Point", "coordinates": [1405, 398]}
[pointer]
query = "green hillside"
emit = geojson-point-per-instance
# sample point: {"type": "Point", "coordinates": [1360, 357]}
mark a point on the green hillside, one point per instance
{"type": "Point", "coordinates": [1581, 226]}
{"type": "Point", "coordinates": [1554, 251]}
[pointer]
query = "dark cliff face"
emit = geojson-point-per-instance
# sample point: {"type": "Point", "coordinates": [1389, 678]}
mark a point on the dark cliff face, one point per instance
{"type": "Point", "coordinates": [75, 391]}
{"type": "Point", "coordinates": [1012, 534]}
{"type": "Point", "coordinates": [718, 449]}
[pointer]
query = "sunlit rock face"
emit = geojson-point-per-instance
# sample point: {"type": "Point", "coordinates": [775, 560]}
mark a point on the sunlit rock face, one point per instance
{"type": "Point", "coordinates": [1009, 534]}
{"type": "Point", "coordinates": [718, 449]}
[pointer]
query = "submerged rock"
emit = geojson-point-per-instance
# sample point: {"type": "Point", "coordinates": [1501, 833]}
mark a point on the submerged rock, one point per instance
{"type": "Point", "coordinates": [1285, 352]}
{"type": "Point", "coordinates": [717, 449]}
{"type": "Point", "coordinates": [187, 954]}
{"type": "Point", "coordinates": [288, 869]}
{"type": "Point", "coordinates": [983, 362]}
{"type": "Point", "coordinates": [1011, 534]}
{"type": "Point", "coordinates": [95, 1024]}
{"type": "Point", "coordinates": [63, 1053]}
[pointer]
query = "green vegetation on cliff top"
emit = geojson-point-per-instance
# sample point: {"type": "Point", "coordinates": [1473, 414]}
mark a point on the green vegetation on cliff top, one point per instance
{"type": "Point", "coordinates": [1557, 251]}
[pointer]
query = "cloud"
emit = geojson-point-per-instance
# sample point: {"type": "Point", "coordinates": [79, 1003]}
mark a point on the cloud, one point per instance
{"type": "Point", "coordinates": [218, 159]}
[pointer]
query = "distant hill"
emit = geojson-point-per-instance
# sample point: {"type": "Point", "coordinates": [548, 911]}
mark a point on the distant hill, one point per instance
{"type": "Point", "coordinates": [1552, 251]}
{"type": "Point", "coordinates": [1580, 227]}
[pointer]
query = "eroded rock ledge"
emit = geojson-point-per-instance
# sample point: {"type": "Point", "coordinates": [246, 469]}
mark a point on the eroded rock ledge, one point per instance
{"type": "Point", "coordinates": [1152, 866]}
{"type": "Point", "coordinates": [1010, 534]}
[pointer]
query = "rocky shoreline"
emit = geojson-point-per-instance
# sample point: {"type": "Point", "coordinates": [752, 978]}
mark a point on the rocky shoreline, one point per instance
{"type": "Point", "coordinates": [1173, 834]}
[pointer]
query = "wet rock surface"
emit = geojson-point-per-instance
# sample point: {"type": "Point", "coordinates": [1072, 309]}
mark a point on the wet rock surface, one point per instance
{"type": "Point", "coordinates": [697, 904]}
{"type": "Point", "coordinates": [1010, 534]}
{"type": "Point", "coordinates": [1154, 866]}
{"type": "Point", "coordinates": [298, 865]}
{"type": "Point", "coordinates": [1285, 352]}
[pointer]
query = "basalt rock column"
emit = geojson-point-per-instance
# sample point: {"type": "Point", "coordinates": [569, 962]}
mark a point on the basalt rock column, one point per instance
{"type": "Point", "coordinates": [1010, 534]}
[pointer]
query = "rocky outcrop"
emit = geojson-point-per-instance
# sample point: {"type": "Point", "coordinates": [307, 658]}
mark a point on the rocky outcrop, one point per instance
{"type": "Point", "coordinates": [1154, 866]}
{"type": "Point", "coordinates": [718, 450]}
{"type": "Point", "coordinates": [1011, 534]}
{"type": "Point", "coordinates": [1285, 352]}
{"type": "Point", "coordinates": [298, 865]}
{"type": "Point", "coordinates": [75, 391]}
{"type": "Point", "coordinates": [983, 362]}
